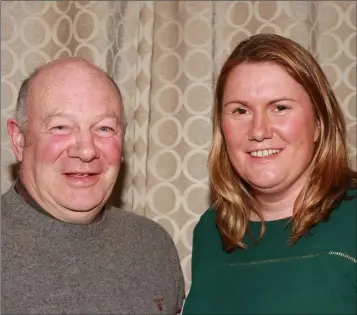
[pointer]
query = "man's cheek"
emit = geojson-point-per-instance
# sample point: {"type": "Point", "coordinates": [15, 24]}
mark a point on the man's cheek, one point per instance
{"type": "Point", "coordinates": [51, 150]}
{"type": "Point", "coordinates": [112, 152]}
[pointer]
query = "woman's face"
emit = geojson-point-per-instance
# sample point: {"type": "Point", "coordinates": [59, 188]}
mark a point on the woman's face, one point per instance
{"type": "Point", "coordinates": [269, 127]}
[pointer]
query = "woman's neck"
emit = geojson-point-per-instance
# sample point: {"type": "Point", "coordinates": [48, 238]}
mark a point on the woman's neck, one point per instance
{"type": "Point", "coordinates": [278, 205]}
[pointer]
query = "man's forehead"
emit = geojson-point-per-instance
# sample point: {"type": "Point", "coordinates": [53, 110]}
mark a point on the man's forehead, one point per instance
{"type": "Point", "coordinates": [73, 85]}
{"type": "Point", "coordinates": [68, 77]}
{"type": "Point", "coordinates": [70, 114]}
{"type": "Point", "coordinates": [55, 100]}
{"type": "Point", "coordinates": [57, 65]}
{"type": "Point", "coordinates": [58, 72]}
{"type": "Point", "coordinates": [66, 84]}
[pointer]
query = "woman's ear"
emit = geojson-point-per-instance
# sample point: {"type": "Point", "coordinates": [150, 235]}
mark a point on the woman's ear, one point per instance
{"type": "Point", "coordinates": [17, 138]}
{"type": "Point", "coordinates": [317, 130]}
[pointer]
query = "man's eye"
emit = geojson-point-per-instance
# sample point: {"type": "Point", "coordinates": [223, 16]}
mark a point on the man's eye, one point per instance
{"type": "Point", "coordinates": [60, 127]}
{"type": "Point", "coordinates": [105, 128]}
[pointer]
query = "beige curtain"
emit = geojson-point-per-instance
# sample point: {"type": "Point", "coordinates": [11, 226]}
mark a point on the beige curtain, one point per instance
{"type": "Point", "coordinates": [165, 56]}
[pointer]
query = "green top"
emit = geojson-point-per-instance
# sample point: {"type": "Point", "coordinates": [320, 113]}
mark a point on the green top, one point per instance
{"type": "Point", "coordinates": [317, 275]}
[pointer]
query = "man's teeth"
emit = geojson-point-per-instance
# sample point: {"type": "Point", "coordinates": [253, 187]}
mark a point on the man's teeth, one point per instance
{"type": "Point", "coordinates": [262, 153]}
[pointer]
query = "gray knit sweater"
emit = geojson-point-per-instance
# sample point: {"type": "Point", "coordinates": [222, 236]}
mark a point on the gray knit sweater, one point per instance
{"type": "Point", "coordinates": [121, 264]}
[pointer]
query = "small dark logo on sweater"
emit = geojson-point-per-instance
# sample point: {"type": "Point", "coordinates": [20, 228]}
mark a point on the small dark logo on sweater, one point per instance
{"type": "Point", "coordinates": [159, 303]}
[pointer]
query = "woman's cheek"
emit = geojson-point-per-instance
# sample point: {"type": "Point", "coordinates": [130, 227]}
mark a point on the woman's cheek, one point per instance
{"type": "Point", "coordinates": [291, 129]}
{"type": "Point", "coordinates": [232, 133]}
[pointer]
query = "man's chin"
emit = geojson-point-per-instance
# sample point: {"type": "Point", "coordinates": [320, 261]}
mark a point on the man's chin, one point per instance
{"type": "Point", "coordinates": [83, 209]}
{"type": "Point", "coordinates": [80, 215]}
{"type": "Point", "coordinates": [87, 200]}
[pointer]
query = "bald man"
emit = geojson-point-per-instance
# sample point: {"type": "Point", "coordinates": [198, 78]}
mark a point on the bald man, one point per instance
{"type": "Point", "coordinates": [64, 251]}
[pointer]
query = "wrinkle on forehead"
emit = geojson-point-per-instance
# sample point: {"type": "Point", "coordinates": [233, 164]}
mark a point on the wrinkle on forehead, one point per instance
{"type": "Point", "coordinates": [60, 113]}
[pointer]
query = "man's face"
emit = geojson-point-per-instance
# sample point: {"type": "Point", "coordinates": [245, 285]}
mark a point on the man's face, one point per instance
{"type": "Point", "coordinates": [73, 144]}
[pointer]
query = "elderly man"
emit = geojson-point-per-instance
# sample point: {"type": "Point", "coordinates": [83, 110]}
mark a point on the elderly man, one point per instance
{"type": "Point", "coordinates": [63, 250]}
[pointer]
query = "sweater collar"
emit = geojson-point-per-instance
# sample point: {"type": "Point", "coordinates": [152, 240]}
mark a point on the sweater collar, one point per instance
{"type": "Point", "coordinates": [23, 192]}
{"type": "Point", "coordinates": [22, 212]}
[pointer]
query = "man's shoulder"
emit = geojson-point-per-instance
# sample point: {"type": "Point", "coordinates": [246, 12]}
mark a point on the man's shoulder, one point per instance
{"type": "Point", "coordinates": [8, 196]}
{"type": "Point", "coordinates": [138, 225]}
{"type": "Point", "coordinates": [132, 218]}
{"type": "Point", "coordinates": [9, 201]}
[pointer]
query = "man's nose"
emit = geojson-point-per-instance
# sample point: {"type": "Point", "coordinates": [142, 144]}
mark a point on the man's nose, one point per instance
{"type": "Point", "coordinates": [260, 128]}
{"type": "Point", "coordinates": [84, 147]}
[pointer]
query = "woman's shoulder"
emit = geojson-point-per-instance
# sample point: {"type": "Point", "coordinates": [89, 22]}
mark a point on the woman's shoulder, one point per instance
{"type": "Point", "coordinates": [206, 229]}
{"type": "Point", "coordinates": [207, 220]}
{"type": "Point", "coordinates": [342, 222]}
{"type": "Point", "coordinates": [346, 209]}
{"type": "Point", "coordinates": [206, 237]}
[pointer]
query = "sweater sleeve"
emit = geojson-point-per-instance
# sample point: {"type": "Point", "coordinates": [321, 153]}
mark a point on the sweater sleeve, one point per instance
{"type": "Point", "coordinates": [174, 262]}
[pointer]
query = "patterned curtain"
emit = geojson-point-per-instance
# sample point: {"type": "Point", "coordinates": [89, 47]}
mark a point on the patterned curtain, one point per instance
{"type": "Point", "coordinates": [165, 56]}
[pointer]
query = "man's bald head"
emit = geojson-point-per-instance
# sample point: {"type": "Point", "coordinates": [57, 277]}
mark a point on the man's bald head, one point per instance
{"type": "Point", "coordinates": [70, 152]}
{"type": "Point", "coordinates": [43, 74]}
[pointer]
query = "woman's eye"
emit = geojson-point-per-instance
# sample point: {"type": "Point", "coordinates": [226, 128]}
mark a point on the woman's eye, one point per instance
{"type": "Point", "coordinates": [280, 108]}
{"type": "Point", "coordinates": [240, 111]}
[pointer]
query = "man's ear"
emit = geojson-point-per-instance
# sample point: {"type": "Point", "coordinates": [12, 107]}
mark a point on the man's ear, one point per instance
{"type": "Point", "coordinates": [17, 138]}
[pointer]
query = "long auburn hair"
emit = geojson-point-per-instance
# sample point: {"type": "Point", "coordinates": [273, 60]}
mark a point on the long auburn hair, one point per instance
{"type": "Point", "coordinates": [330, 173]}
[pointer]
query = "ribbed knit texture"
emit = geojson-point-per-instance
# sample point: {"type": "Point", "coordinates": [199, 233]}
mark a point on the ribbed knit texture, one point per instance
{"type": "Point", "coordinates": [122, 263]}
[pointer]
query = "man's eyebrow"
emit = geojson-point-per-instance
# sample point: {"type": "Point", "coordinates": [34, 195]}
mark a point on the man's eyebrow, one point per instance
{"type": "Point", "coordinates": [48, 117]}
{"type": "Point", "coordinates": [111, 114]}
